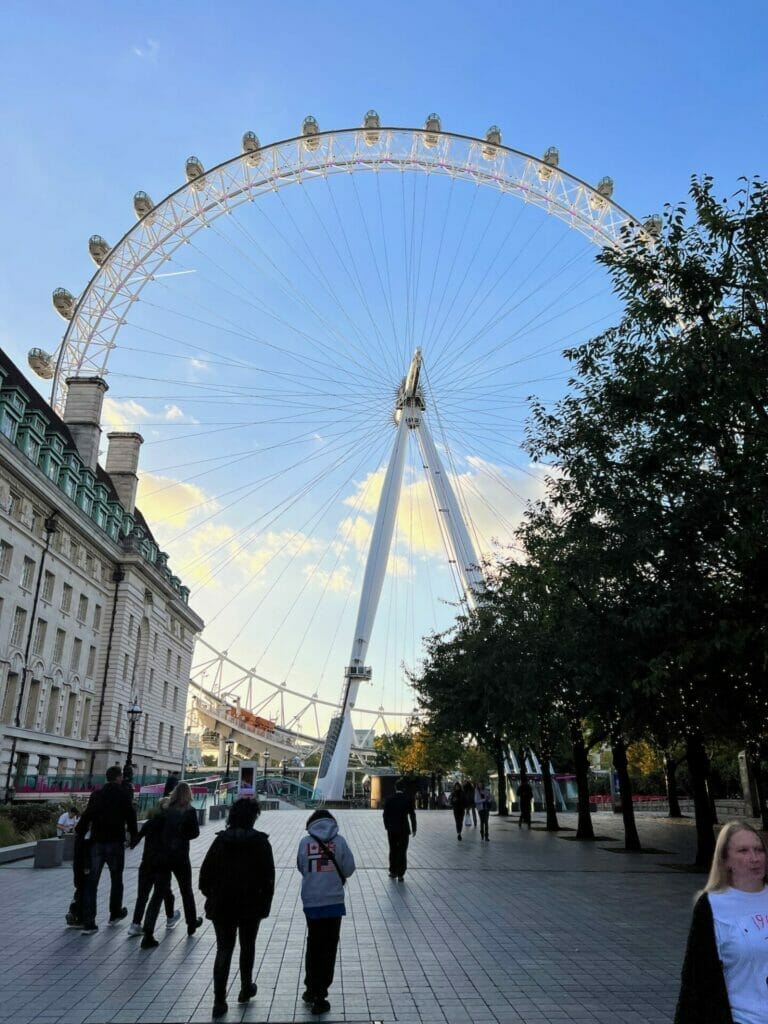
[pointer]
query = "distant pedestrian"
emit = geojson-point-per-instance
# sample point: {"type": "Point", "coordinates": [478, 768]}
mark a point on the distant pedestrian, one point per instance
{"type": "Point", "coordinates": [325, 862]}
{"type": "Point", "coordinates": [483, 807]}
{"type": "Point", "coordinates": [108, 814]}
{"type": "Point", "coordinates": [524, 798]}
{"type": "Point", "coordinates": [469, 804]}
{"type": "Point", "coordinates": [457, 806]}
{"type": "Point", "coordinates": [152, 834]}
{"type": "Point", "coordinates": [398, 814]}
{"type": "Point", "coordinates": [67, 821]}
{"type": "Point", "coordinates": [237, 877]}
{"type": "Point", "coordinates": [179, 826]}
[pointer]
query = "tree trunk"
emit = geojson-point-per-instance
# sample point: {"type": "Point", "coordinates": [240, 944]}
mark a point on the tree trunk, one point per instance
{"type": "Point", "coordinates": [584, 829]}
{"type": "Point", "coordinates": [670, 779]}
{"type": "Point", "coordinates": [503, 810]}
{"type": "Point", "coordinates": [698, 766]}
{"type": "Point", "coordinates": [631, 838]}
{"type": "Point", "coordinates": [549, 790]}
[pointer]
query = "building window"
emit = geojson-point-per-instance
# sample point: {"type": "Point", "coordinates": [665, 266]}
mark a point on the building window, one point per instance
{"type": "Point", "coordinates": [14, 504]}
{"type": "Point", "coordinates": [89, 563]}
{"type": "Point", "coordinates": [175, 697]}
{"type": "Point", "coordinates": [91, 662]}
{"type": "Point", "coordinates": [165, 694]}
{"type": "Point", "coordinates": [48, 583]}
{"type": "Point", "coordinates": [74, 551]}
{"type": "Point", "coordinates": [154, 644]}
{"type": "Point", "coordinates": [119, 726]}
{"type": "Point", "coordinates": [160, 736]}
{"type": "Point", "coordinates": [66, 597]}
{"type": "Point", "coordinates": [178, 666]}
{"type": "Point", "coordinates": [168, 660]}
{"type": "Point", "coordinates": [19, 621]}
{"type": "Point", "coordinates": [126, 666]}
{"type": "Point", "coordinates": [144, 731]}
{"type": "Point", "coordinates": [131, 624]}
{"type": "Point", "coordinates": [27, 573]}
{"type": "Point", "coordinates": [151, 680]}
{"type": "Point", "coordinates": [6, 554]}
{"type": "Point", "coordinates": [97, 617]}
{"type": "Point", "coordinates": [170, 739]}
{"type": "Point", "coordinates": [58, 646]}
{"type": "Point", "coordinates": [39, 641]}
{"type": "Point", "coordinates": [74, 661]}
{"type": "Point", "coordinates": [82, 608]}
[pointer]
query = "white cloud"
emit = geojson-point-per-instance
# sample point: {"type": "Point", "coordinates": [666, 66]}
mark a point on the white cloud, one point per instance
{"type": "Point", "coordinates": [148, 50]}
{"type": "Point", "coordinates": [198, 364]}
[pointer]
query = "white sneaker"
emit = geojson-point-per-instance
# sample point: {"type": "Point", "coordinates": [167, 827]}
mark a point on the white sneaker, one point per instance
{"type": "Point", "coordinates": [171, 922]}
{"type": "Point", "coordinates": [134, 929]}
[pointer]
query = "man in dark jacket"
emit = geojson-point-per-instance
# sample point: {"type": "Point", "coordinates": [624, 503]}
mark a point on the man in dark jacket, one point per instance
{"type": "Point", "coordinates": [108, 814]}
{"type": "Point", "coordinates": [398, 812]}
{"type": "Point", "coordinates": [237, 878]}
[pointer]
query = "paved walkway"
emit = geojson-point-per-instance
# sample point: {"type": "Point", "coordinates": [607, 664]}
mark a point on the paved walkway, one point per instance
{"type": "Point", "coordinates": [526, 928]}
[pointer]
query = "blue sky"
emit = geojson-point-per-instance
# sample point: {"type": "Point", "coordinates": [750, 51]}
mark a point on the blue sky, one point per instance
{"type": "Point", "coordinates": [98, 101]}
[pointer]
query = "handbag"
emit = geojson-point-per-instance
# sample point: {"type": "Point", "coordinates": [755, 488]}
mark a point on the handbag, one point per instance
{"type": "Point", "coordinates": [467, 820]}
{"type": "Point", "coordinates": [329, 854]}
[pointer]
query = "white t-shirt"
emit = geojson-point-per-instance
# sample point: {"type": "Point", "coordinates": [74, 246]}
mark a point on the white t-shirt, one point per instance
{"type": "Point", "coordinates": [65, 821]}
{"type": "Point", "coordinates": [741, 933]}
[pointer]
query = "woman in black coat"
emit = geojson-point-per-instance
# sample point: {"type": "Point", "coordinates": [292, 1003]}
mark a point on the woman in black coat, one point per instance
{"type": "Point", "coordinates": [457, 806]}
{"type": "Point", "coordinates": [177, 825]}
{"type": "Point", "coordinates": [237, 877]}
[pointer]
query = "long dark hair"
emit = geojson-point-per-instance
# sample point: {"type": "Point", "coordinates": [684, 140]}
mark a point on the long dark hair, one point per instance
{"type": "Point", "coordinates": [243, 813]}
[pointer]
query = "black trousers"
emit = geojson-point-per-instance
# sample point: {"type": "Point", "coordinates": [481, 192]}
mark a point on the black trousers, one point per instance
{"type": "Point", "coordinates": [113, 855]}
{"type": "Point", "coordinates": [398, 853]}
{"type": "Point", "coordinates": [484, 814]}
{"type": "Point", "coordinates": [320, 960]}
{"type": "Point", "coordinates": [458, 817]}
{"type": "Point", "coordinates": [146, 880]}
{"type": "Point", "coordinates": [161, 881]}
{"type": "Point", "coordinates": [227, 933]}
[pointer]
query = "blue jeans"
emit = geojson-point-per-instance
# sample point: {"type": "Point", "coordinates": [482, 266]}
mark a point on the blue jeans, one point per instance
{"type": "Point", "coordinates": [113, 855]}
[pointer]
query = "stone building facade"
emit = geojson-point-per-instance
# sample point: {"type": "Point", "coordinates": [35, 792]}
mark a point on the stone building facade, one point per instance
{"type": "Point", "coordinates": [92, 620]}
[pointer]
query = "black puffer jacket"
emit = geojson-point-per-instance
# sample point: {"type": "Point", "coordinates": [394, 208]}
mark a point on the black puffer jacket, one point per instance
{"type": "Point", "coordinates": [108, 814]}
{"type": "Point", "coordinates": [703, 995]}
{"type": "Point", "coordinates": [237, 876]}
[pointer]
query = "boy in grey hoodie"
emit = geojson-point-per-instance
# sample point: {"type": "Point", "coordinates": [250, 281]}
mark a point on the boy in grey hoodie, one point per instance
{"type": "Point", "coordinates": [325, 862]}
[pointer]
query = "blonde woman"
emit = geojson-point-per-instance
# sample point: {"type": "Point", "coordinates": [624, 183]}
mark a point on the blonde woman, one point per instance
{"type": "Point", "coordinates": [179, 826]}
{"type": "Point", "coordinates": [725, 970]}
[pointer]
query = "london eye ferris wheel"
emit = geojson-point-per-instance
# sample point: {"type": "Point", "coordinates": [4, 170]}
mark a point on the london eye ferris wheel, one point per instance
{"type": "Point", "coordinates": [328, 344]}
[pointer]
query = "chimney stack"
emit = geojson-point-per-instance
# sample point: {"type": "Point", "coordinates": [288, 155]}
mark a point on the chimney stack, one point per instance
{"type": "Point", "coordinates": [122, 464]}
{"type": "Point", "coordinates": [82, 414]}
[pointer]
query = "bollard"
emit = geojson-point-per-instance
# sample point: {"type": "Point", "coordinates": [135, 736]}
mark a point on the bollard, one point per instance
{"type": "Point", "coordinates": [201, 816]}
{"type": "Point", "coordinates": [49, 853]}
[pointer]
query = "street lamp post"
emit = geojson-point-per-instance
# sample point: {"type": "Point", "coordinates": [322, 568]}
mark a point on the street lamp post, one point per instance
{"type": "Point", "coordinates": [266, 763]}
{"type": "Point", "coordinates": [134, 713]}
{"type": "Point", "coordinates": [228, 744]}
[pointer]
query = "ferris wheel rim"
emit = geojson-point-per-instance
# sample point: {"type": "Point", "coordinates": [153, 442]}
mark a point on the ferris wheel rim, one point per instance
{"type": "Point", "coordinates": [539, 196]}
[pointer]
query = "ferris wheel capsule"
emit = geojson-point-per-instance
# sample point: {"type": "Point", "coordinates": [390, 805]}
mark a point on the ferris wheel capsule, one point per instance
{"type": "Point", "coordinates": [371, 123]}
{"type": "Point", "coordinates": [251, 147]}
{"type": "Point", "coordinates": [603, 192]}
{"type": "Point", "coordinates": [194, 170]}
{"type": "Point", "coordinates": [64, 303]}
{"type": "Point", "coordinates": [309, 129]}
{"type": "Point", "coordinates": [98, 249]}
{"type": "Point", "coordinates": [652, 226]}
{"type": "Point", "coordinates": [143, 206]}
{"type": "Point", "coordinates": [550, 161]}
{"type": "Point", "coordinates": [433, 128]}
{"type": "Point", "coordinates": [41, 362]}
{"type": "Point", "coordinates": [492, 140]}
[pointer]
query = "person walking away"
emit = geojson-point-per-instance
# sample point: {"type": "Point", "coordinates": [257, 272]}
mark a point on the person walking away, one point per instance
{"type": "Point", "coordinates": [152, 834]}
{"type": "Point", "coordinates": [469, 804]}
{"type": "Point", "coordinates": [180, 825]}
{"type": "Point", "coordinates": [483, 807]}
{"type": "Point", "coordinates": [524, 798]}
{"type": "Point", "coordinates": [325, 862]}
{"type": "Point", "coordinates": [67, 821]}
{"type": "Point", "coordinates": [399, 813]}
{"type": "Point", "coordinates": [724, 970]}
{"type": "Point", "coordinates": [171, 783]}
{"type": "Point", "coordinates": [237, 877]}
{"type": "Point", "coordinates": [108, 814]}
{"type": "Point", "coordinates": [457, 806]}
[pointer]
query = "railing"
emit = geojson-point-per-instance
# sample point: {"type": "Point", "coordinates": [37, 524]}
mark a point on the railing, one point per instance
{"type": "Point", "coordinates": [75, 783]}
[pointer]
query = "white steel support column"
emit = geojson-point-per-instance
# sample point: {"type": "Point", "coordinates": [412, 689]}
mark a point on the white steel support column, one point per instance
{"type": "Point", "coordinates": [451, 520]}
{"type": "Point", "coordinates": [409, 415]}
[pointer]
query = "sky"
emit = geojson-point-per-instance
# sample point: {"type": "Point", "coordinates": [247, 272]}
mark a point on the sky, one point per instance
{"type": "Point", "coordinates": [262, 374]}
